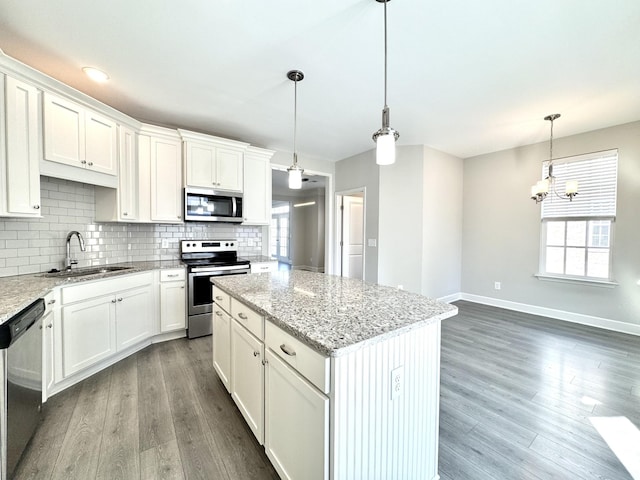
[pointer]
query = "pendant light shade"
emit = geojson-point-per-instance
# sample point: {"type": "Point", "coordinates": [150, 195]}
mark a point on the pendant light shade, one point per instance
{"type": "Point", "coordinates": [386, 137]}
{"type": "Point", "coordinates": [295, 171]}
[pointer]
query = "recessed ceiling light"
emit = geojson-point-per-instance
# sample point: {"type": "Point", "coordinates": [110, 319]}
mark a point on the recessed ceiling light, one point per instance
{"type": "Point", "coordinates": [95, 74]}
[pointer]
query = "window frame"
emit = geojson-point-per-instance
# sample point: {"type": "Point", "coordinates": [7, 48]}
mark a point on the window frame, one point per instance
{"type": "Point", "coordinates": [542, 271]}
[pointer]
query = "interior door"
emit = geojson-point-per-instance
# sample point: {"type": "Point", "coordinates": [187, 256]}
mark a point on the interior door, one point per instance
{"type": "Point", "coordinates": [281, 233]}
{"type": "Point", "coordinates": [352, 236]}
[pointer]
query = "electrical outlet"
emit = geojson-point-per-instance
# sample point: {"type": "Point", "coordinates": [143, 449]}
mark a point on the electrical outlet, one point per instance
{"type": "Point", "coordinates": [165, 243]}
{"type": "Point", "coordinates": [372, 242]}
{"type": "Point", "coordinates": [397, 382]}
{"type": "Point", "coordinates": [497, 285]}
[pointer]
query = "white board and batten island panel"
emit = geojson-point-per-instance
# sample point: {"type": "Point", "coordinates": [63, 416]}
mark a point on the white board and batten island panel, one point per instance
{"type": "Point", "coordinates": [381, 347]}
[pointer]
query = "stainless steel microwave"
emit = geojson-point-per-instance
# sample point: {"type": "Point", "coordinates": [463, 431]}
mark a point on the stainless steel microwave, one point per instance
{"type": "Point", "coordinates": [205, 205]}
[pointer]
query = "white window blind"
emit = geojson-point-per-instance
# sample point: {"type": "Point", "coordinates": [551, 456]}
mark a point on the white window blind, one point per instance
{"type": "Point", "coordinates": [597, 176]}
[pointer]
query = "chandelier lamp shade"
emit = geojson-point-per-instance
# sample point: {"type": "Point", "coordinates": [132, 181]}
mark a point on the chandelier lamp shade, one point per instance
{"type": "Point", "coordinates": [541, 188]}
{"type": "Point", "coordinates": [295, 171]}
{"type": "Point", "coordinates": [386, 136]}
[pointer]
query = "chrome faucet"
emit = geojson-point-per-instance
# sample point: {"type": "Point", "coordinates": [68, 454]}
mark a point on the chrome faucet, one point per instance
{"type": "Point", "coordinates": [68, 261]}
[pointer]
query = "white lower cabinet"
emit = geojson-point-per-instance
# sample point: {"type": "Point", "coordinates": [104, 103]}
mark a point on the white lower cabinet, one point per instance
{"type": "Point", "coordinates": [222, 345]}
{"type": "Point", "coordinates": [173, 298]}
{"type": "Point", "coordinates": [296, 423]}
{"type": "Point", "coordinates": [247, 377]}
{"type": "Point", "coordinates": [99, 319]}
{"type": "Point", "coordinates": [88, 333]}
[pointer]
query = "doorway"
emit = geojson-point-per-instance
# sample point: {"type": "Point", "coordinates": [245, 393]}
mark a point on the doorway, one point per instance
{"type": "Point", "coordinates": [280, 234]}
{"type": "Point", "coordinates": [350, 251]}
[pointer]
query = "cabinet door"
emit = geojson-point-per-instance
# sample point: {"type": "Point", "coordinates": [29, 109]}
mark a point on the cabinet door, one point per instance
{"type": "Point", "coordinates": [88, 333]}
{"type": "Point", "coordinates": [256, 202]}
{"type": "Point", "coordinates": [48, 358]}
{"type": "Point", "coordinates": [247, 378]}
{"type": "Point", "coordinates": [200, 161]}
{"type": "Point", "coordinates": [296, 423]}
{"type": "Point", "coordinates": [133, 316]}
{"type": "Point", "coordinates": [228, 169]}
{"type": "Point", "coordinates": [166, 180]}
{"type": "Point", "coordinates": [23, 169]}
{"type": "Point", "coordinates": [222, 345]}
{"type": "Point", "coordinates": [173, 300]}
{"type": "Point", "coordinates": [101, 144]}
{"type": "Point", "coordinates": [128, 175]}
{"type": "Point", "coordinates": [63, 131]}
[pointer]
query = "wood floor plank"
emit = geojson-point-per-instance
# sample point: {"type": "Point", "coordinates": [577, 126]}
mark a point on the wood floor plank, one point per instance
{"type": "Point", "coordinates": [154, 415]}
{"type": "Point", "coordinates": [80, 450]}
{"type": "Point", "coordinates": [198, 450]}
{"type": "Point", "coordinates": [119, 457]}
{"type": "Point", "coordinates": [161, 462]}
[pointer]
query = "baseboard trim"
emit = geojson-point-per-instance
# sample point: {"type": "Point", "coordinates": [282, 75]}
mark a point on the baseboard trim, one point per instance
{"type": "Point", "coordinates": [454, 297]}
{"type": "Point", "coordinates": [589, 320]}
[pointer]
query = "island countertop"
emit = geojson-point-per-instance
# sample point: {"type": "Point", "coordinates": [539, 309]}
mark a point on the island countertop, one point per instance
{"type": "Point", "coordinates": [333, 315]}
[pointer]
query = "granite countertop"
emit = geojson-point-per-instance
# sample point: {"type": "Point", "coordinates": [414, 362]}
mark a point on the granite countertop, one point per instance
{"type": "Point", "coordinates": [258, 258]}
{"type": "Point", "coordinates": [20, 290]}
{"type": "Point", "coordinates": [331, 314]}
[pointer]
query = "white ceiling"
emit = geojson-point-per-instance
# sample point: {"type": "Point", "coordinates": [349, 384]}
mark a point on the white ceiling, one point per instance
{"type": "Point", "coordinates": [310, 184]}
{"type": "Point", "coordinates": [465, 77]}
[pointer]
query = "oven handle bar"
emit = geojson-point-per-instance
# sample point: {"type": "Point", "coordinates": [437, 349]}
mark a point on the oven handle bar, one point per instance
{"type": "Point", "coordinates": [240, 268]}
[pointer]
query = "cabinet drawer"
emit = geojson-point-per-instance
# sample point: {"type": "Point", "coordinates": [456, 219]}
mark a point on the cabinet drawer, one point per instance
{"type": "Point", "coordinates": [222, 299]}
{"type": "Point", "coordinates": [172, 275]}
{"type": "Point", "coordinates": [309, 363]}
{"type": "Point", "coordinates": [252, 321]}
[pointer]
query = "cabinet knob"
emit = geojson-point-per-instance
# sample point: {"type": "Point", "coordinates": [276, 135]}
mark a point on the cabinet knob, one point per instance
{"type": "Point", "coordinates": [124, 214]}
{"type": "Point", "coordinates": [264, 362]}
{"type": "Point", "coordinates": [50, 325]}
{"type": "Point", "coordinates": [256, 354]}
{"type": "Point", "coordinates": [182, 286]}
{"type": "Point", "coordinates": [91, 164]}
{"type": "Point", "coordinates": [120, 299]}
{"type": "Point", "coordinates": [287, 350]}
{"type": "Point", "coordinates": [113, 301]}
{"type": "Point", "coordinates": [37, 207]}
{"type": "Point", "coordinates": [179, 217]}
{"type": "Point", "coordinates": [83, 162]}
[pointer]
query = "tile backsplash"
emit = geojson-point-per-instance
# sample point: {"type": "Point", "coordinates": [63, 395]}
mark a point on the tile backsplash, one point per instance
{"type": "Point", "coordinates": [37, 245]}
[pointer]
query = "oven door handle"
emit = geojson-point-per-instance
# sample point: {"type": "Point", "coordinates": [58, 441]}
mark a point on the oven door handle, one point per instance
{"type": "Point", "coordinates": [213, 271]}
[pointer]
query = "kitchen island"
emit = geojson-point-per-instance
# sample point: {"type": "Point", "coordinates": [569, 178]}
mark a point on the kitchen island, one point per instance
{"type": "Point", "coordinates": [351, 373]}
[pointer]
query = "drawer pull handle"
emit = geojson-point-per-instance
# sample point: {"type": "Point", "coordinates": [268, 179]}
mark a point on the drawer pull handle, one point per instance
{"type": "Point", "coordinates": [256, 354]}
{"type": "Point", "coordinates": [243, 316]}
{"type": "Point", "coordinates": [285, 349]}
{"type": "Point", "coordinates": [52, 301]}
{"type": "Point", "coordinates": [219, 299]}
{"type": "Point", "coordinates": [218, 313]}
{"type": "Point", "coordinates": [173, 275]}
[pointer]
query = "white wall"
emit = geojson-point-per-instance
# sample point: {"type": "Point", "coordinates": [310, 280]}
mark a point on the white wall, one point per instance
{"type": "Point", "coordinates": [501, 229]}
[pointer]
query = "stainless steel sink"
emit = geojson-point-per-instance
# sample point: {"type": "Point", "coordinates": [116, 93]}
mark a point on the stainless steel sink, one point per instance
{"type": "Point", "coordinates": [81, 272]}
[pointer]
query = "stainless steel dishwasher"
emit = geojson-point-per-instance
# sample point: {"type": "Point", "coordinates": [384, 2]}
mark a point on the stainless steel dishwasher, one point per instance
{"type": "Point", "coordinates": [21, 385]}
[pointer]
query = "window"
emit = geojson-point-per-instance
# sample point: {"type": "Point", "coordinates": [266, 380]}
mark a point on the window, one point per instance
{"type": "Point", "coordinates": [577, 235]}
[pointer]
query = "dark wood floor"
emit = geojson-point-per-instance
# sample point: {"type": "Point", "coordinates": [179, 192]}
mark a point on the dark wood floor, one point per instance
{"type": "Point", "coordinates": [517, 395]}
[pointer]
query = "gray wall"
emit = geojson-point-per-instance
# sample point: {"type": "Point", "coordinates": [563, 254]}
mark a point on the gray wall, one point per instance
{"type": "Point", "coordinates": [421, 222]}
{"type": "Point", "coordinates": [359, 172]}
{"type": "Point", "coordinates": [38, 245]}
{"type": "Point", "coordinates": [501, 228]}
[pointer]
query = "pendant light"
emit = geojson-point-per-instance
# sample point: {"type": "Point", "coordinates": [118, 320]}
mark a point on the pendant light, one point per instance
{"type": "Point", "coordinates": [540, 190]}
{"type": "Point", "coordinates": [386, 137]}
{"type": "Point", "coordinates": [295, 172]}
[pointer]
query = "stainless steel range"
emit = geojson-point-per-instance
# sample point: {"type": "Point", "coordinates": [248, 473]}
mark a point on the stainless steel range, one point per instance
{"type": "Point", "coordinates": [206, 259]}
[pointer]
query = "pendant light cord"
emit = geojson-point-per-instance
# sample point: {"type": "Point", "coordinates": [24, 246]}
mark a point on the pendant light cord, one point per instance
{"type": "Point", "coordinates": [551, 144]}
{"type": "Point", "coordinates": [385, 53]}
{"type": "Point", "coordinates": [295, 120]}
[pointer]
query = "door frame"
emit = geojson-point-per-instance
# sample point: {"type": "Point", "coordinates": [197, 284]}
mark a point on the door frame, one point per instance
{"type": "Point", "coordinates": [337, 247]}
{"type": "Point", "coordinates": [329, 226]}
{"type": "Point", "coordinates": [289, 259]}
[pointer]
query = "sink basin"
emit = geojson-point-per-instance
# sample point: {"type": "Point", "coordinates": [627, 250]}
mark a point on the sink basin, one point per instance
{"type": "Point", "coordinates": [81, 272]}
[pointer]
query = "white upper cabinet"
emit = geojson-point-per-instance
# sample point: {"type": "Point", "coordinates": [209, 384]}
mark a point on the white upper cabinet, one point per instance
{"type": "Point", "coordinates": [79, 137]}
{"type": "Point", "coordinates": [19, 149]}
{"type": "Point", "coordinates": [256, 203]}
{"type": "Point", "coordinates": [213, 162]}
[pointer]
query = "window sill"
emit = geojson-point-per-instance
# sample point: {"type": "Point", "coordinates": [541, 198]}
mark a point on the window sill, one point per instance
{"type": "Point", "coordinates": [576, 281]}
